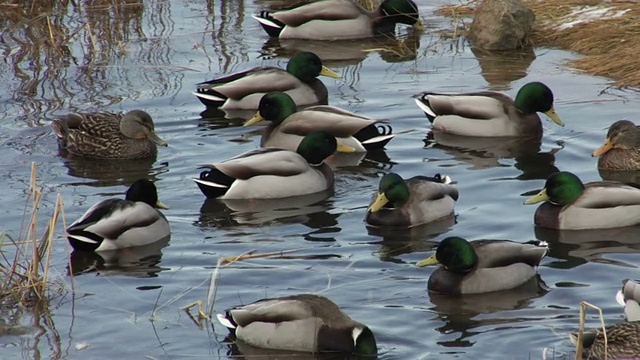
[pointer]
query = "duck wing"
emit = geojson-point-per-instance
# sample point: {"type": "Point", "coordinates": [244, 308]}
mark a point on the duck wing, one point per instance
{"type": "Point", "coordinates": [607, 194]}
{"type": "Point", "coordinates": [484, 105]}
{"type": "Point", "coordinates": [257, 80]}
{"type": "Point", "coordinates": [321, 10]}
{"type": "Point", "coordinates": [112, 217]}
{"type": "Point", "coordinates": [336, 121]}
{"type": "Point", "coordinates": [263, 161]}
{"type": "Point", "coordinates": [501, 253]}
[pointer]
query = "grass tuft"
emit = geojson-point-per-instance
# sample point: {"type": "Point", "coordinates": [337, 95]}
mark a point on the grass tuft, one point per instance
{"type": "Point", "coordinates": [610, 42]}
{"type": "Point", "coordinates": [24, 262]}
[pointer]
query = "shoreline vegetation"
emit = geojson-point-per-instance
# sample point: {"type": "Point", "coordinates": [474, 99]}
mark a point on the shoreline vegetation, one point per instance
{"type": "Point", "coordinates": [606, 34]}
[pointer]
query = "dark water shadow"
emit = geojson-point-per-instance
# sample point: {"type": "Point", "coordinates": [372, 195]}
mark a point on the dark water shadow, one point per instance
{"type": "Point", "coordinates": [501, 68]}
{"type": "Point", "coordinates": [399, 241]}
{"type": "Point", "coordinates": [238, 348]}
{"type": "Point", "coordinates": [369, 163]}
{"type": "Point", "coordinates": [486, 152]}
{"type": "Point", "coordinates": [309, 210]}
{"type": "Point", "coordinates": [106, 172]}
{"type": "Point", "coordinates": [342, 53]}
{"type": "Point", "coordinates": [627, 177]}
{"type": "Point", "coordinates": [573, 248]}
{"type": "Point", "coordinates": [458, 313]}
{"type": "Point", "coordinates": [140, 261]}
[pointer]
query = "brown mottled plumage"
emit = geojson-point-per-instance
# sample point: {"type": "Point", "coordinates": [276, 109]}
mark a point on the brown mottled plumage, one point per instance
{"type": "Point", "coordinates": [621, 149]}
{"type": "Point", "coordinates": [108, 135]}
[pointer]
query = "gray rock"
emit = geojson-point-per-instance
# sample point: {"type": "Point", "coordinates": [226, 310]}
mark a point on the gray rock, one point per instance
{"type": "Point", "coordinates": [501, 25]}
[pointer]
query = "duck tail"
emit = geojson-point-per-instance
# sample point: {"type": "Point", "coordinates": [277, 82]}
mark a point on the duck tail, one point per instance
{"type": "Point", "coordinates": [272, 26]}
{"type": "Point", "coordinates": [375, 136]}
{"type": "Point", "coordinates": [227, 321]}
{"type": "Point", "coordinates": [214, 183]}
{"type": "Point", "coordinates": [422, 100]}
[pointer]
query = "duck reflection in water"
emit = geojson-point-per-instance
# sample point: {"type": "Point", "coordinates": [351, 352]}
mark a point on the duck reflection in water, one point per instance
{"type": "Point", "coordinates": [343, 53]}
{"type": "Point", "coordinates": [139, 261]}
{"type": "Point", "coordinates": [396, 242]}
{"type": "Point", "coordinates": [488, 152]}
{"type": "Point", "coordinates": [572, 248]}
{"type": "Point", "coordinates": [113, 172]}
{"type": "Point", "coordinates": [458, 313]}
{"type": "Point", "coordinates": [310, 210]}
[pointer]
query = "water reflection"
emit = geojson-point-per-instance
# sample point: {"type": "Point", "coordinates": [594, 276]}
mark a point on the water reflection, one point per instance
{"type": "Point", "coordinates": [458, 313]}
{"type": "Point", "coordinates": [57, 58]}
{"type": "Point", "coordinates": [112, 172]}
{"type": "Point", "coordinates": [348, 52]}
{"type": "Point", "coordinates": [246, 351]}
{"type": "Point", "coordinates": [486, 152]}
{"type": "Point", "coordinates": [576, 247]}
{"type": "Point", "coordinates": [309, 210]}
{"type": "Point", "coordinates": [502, 68]}
{"type": "Point", "coordinates": [139, 261]}
{"type": "Point", "coordinates": [396, 242]}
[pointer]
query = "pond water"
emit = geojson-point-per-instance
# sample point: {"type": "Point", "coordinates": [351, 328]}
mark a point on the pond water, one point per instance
{"type": "Point", "coordinates": [150, 57]}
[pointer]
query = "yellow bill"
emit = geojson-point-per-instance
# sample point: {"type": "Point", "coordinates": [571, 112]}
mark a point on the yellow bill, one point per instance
{"type": "Point", "coordinates": [418, 25]}
{"type": "Point", "coordinates": [330, 73]}
{"type": "Point", "coordinates": [431, 260]}
{"type": "Point", "coordinates": [254, 120]}
{"type": "Point", "coordinates": [551, 113]}
{"type": "Point", "coordinates": [539, 197]}
{"type": "Point", "coordinates": [345, 149]}
{"type": "Point", "coordinates": [381, 201]}
{"type": "Point", "coordinates": [161, 205]}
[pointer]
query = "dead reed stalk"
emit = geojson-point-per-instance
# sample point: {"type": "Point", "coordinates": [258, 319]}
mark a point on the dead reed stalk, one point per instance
{"type": "Point", "coordinates": [24, 277]}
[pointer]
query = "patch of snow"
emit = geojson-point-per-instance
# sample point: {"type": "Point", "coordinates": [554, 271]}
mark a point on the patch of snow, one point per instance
{"type": "Point", "coordinates": [587, 14]}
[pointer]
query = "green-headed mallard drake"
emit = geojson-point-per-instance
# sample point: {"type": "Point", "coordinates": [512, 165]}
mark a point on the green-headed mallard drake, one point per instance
{"type": "Point", "coordinates": [108, 135]}
{"type": "Point", "coordinates": [482, 266]}
{"type": "Point", "coordinates": [415, 201]}
{"type": "Point", "coordinates": [243, 90]}
{"type": "Point", "coordinates": [490, 113]}
{"type": "Point", "coordinates": [309, 323]}
{"type": "Point", "coordinates": [338, 19]}
{"type": "Point", "coordinates": [572, 205]}
{"type": "Point", "coordinates": [289, 126]}
{"type": "Point", "coordinates": [623, 339]}
{"type": "Point", "coordinates": [269, 173]}
{"type": "Point", "coordinates": [120, 223]}
{"type": "Point", "coordinates": [621, 149]}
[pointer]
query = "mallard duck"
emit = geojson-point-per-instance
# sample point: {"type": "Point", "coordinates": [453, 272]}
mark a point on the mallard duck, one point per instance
{"type": "Point", "coordinates": [305, 322]}
{"type": "Point", "coordinates": [623, 339]}
{"type": "Point", "coordinates": [338, 19]}
{"type": "Point", "coordinates": [288, 126]}
{"type": "Point", "coordinates": [482, 266]}
{"type": "Point", "coordinates": [243, 90]}
{"type": "Point", "coordinates": [411, 202]}
{"type": "Point", "coordinates": [489, 113]}
{"type": "Point", "coordinates": [621, 149]}
{"type": "Point", "coordinates": [108, 135]}
{"type": "Point", "coordinates": [269, 173]}
{"type": "Point", "coordinates": [572, 205]}
{"type": "Point", "coordinates": [120, 223]}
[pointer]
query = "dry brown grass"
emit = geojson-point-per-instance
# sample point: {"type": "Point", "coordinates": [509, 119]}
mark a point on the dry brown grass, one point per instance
{"type": "Point", "coordinates": [24, 275]}
{"type": "Point", "coordinates": [609, 45]}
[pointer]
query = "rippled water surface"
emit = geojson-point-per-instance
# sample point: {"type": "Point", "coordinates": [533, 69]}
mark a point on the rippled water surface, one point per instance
{"type": "Point", "coordinates": [150, 56]}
